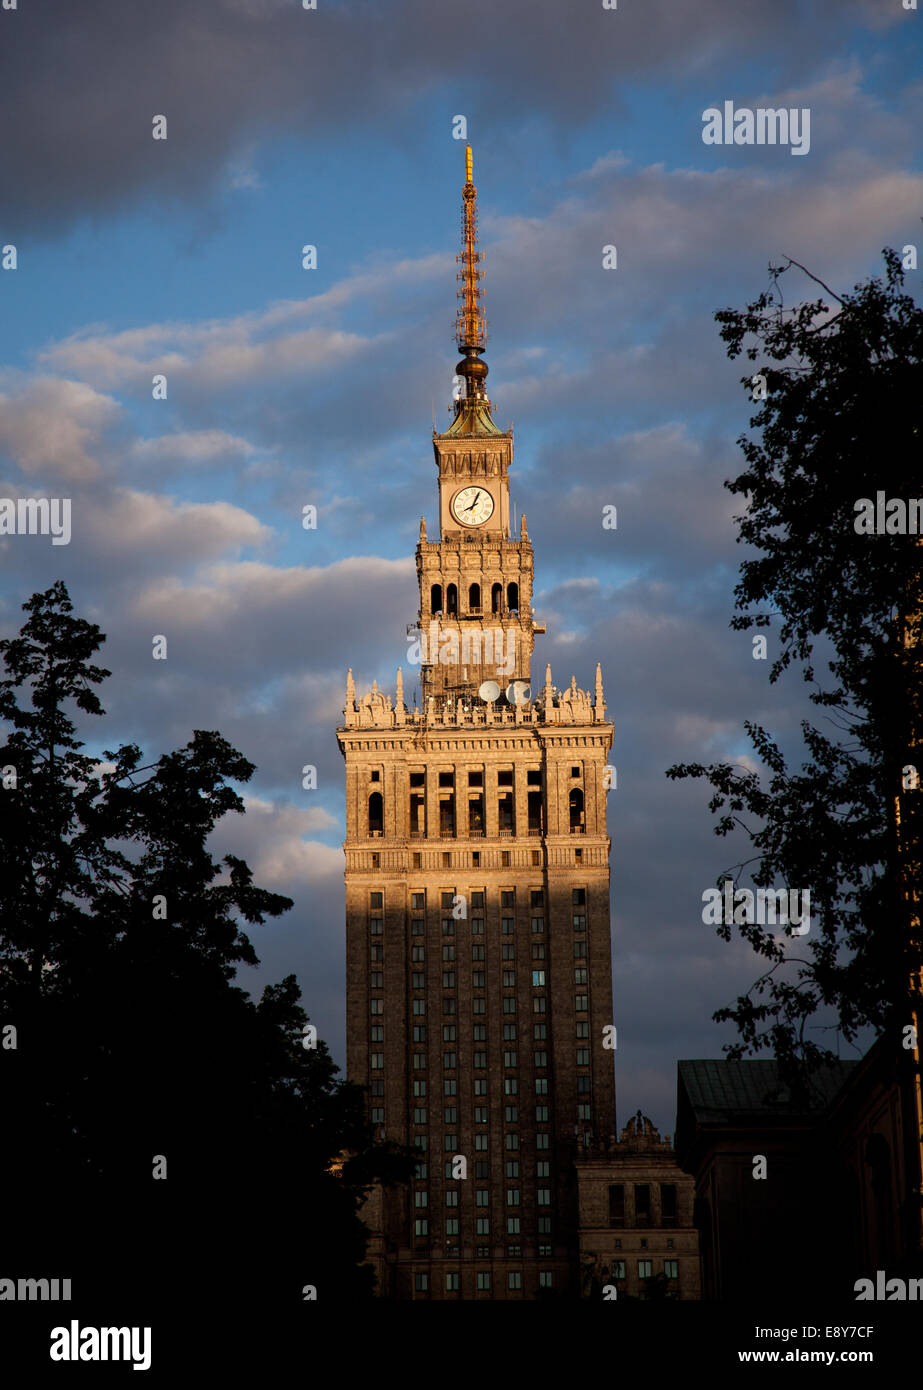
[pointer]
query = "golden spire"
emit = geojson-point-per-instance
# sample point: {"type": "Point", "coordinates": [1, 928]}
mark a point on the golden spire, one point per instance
{"type": "Point", "coordinates": [470, 324]}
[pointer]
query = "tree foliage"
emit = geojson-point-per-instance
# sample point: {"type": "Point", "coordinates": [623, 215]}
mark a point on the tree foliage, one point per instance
{"type": "Point", "coordinates": [120, 942]}
{"type": "Point", "coordinates": [841, 421]}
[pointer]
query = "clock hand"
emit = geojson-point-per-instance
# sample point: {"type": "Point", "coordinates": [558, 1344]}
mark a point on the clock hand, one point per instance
{"type": "Point", "coordinates": [473, 504]}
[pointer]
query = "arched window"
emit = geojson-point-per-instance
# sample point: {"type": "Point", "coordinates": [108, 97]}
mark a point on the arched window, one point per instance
{"type": "Point", "coordinates": [512, 597]}
{"type": "Point", "coordinates": [496, 598]}
{"type": "Point", "coordinates": [435, 599]}
{"type": "Point", "coordinates": [576, 808]}
{"type": "Point", "coordinates": [474, 599]}
{"type": "Point", "coordinates": [376, 814]}
{"type": "Point", "coordinates": [451, 599]}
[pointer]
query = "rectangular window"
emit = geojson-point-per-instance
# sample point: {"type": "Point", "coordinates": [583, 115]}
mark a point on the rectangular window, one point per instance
{"type": "Point", "coordinates": [419, 1089]}
{"type": "Point", "coordinates": [449, 1060]}
{"type": "Point", "coordinates": [417, 902]}
{"type": "Point", "coordinates": [376, 900]}
{"type": "Point", "coordinates": [512, 1226]}
{"type": "Point", "coordinates": [540, 1059]}
{"type": "Point", "coordinates": [419, 1061]}
{"type": "Point", "coordinates": [376, 1032]}
{"type": "Point", "coordinates": [579, 949]}
{"type": "Point", "coordinates": [483, 1280]}
{"type": "Point", "coordinates": [579, 922]}
{"type": "Point", "coordinates": [421, 1226]}
{"type": "Point", "coordinates": [451, 1225]}
{"type": "Point", "coordinates": [509, 1004]}
{"type": "Point", "coordinates": [376, 1006]}
{"type": "Point", "coordinates": [543, 1168]}
{"type": "Point", "coordinates": [417, 927]}
{"type": "Point", "coordinates": [421, 1198]}
{"type": "Point", "coordinates": [507, 926]}
{"type": "Point", "coordinates": [541, 1085]}
{"type": "Point", "coordinates": [480, 1032]}
{"type": "Point", "coordinates": [451, 1283]}
{"type": "Point", "coordinates": [509, 1059]}
{"type": "Point", "coordinates": [667, 1204]}
{"type": "Point", "coordinates": [482, 1228]}
{"type": "Point", "coordinates": [449, 1004]}
{"type": "Point", "coordinates": [482, 1197]}
{"type": "Point", "coordinates": [507, 898]}
{"type": "Point", "coordinates": [541, 1114]}
{"type": "Point", "coordinates": [418, 979]}
{"type": "Point", "coordinates": [536, 897]}
{"type": "Point", "coordinates": [512, 1168]}
{"type": "Point", "coordinates": [512, 1142]}
{"type": "Point", "coordinates": [479, 1004]}
{"type": "Point", "coordinates": [480, 1114]}
{"type": "Point", "coordinates": [509, 979]}
{"type": "Point", "coordinates": [450, 1143]}
{"type": "Point", "coordinates": [539, 1004]}
{"type": "Point", "coordinates": [448, 926]}
{"type": "Point", "coordinates": [644, 1269]}
{"type": "Point", "coordinates": [618, 1269]}
{"type": "Point", "coordinates": [419, 1032]}
{"type": "Point", "coordinates": [544, 1196]}
{"type": "Point", "coordinates": [583, 1030]}
{"type": "Point", "coordinates": [538, 979]}
{"type": "Point", "coordinates": [376, 953]}
{"type": "Point", "coordinates": [448, 953]}
{"type": "Point", "coordinates": [542, 1141]}
{"type": "Point", "coordinates": [480, 1086]}
{"type": "Point", "coordinates": [584, 1112]}
{"type": "Point", "coordinates": [448, 1032]}
{"type": "Point", "coordinates": [512, 1196]}
{"type": "Point", "coordinates": [477, 927]}
{"type": "Point", "coordinates": [510, 1086]}
{"type": "Point", "coordinates": [477, 899]}
{"type": "Point", "coordinates": [578, 897]}
{"type": "Point", "coordinates": [509, 950]}
{"type": "Point", "coordinates": [511, 1113]}
{"type": "Point", "coordinates": [671, 1269]}
{"type": "Point", "coordinates": [450, 1088]}
{"type": "Point", "coordinates": [481, 1169]}
{"type": "Point", "coordinates": [480, 1141]}
{"type": "Point", "coordinates": [378, 1115]}
{"type": "Point", "coordinates": [448, 979]}
{"type": "Point", "coordinates": [583, 1084]}
{"type": "Point", "coordinates": [538, 950]}
{"type": "Point", "coordinates": [421, 1283]}
{"type": "Point", "coordinates": [642, 1204]}
{"type": "Point", "coordinates": [583, 1056]}
{"type": "Point", "coordinates": [419, 1115]}
{"type": "Point", "coordinates": [417, 954]}
{"type": "Point", "coordinates": [480, 1060]}
{"type": "Point", "coordinates": [450, 1116]}
{"type": "Point", "coordinates": [580, 1003]}
{"type": "Point", "coordinates": [538, 925]}
{"type": "Point", "coordinates": [419, 1007]}
{"type": "Point", "coordinates": [477, 979]}
{"type": "Point", "coordinates": [375, 926]}
{"type": "Point", "coordinates": [580, 975]}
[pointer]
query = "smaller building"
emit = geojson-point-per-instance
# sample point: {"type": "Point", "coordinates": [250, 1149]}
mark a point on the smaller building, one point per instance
{"type": "Point", "coordinates": [636, 1217]}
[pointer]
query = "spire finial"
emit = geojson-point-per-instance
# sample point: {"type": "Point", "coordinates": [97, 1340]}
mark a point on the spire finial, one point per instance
{"type": "Point", "coordinates": [470, 326]}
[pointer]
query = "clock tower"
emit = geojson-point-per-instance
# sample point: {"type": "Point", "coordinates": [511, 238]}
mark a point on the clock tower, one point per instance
{"type": "Point", "coordinates": [478, 969]}
{"type": "Point", "coordinates": [476, 581]}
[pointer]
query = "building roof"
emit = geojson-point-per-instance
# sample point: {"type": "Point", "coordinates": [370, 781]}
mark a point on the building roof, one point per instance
{"type": "Point", "coordinates": [722, 1092]}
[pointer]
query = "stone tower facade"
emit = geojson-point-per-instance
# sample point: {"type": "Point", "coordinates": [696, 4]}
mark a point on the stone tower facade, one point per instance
{"type": "Point", "coordinates": [477, 899]}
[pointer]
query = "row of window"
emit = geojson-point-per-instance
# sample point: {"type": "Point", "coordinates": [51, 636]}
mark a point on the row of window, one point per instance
{"type": "Point", "coordinates": [482, 1279]}
{"type": "Point", "coordinates": [481, 1224]}
{"type": "Point", "coordinates": [511, 1140]}
{"type": "Point", "coordinates": [642, 1214]}
{"type": "Point", "coordinates": [477, 898]}
{"type": "Point", "coordinates": [645, 1269]}
{"type": "Point", "coordinates": [482, 1172]}
{"type": "Point", "coordinates": [482, 1197]}
{"type": "Point", "coordinates": [418, 979]}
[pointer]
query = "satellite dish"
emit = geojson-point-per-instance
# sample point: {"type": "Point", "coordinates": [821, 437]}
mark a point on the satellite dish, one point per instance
{"type": "Point", "coordinates": [517, 692]}
{"type": "Point", "coordinates": [489, 691]}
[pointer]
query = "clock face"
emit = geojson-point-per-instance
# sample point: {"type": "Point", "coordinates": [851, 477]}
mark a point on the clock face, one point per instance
{"type": "Point", "coordinates": [472, 506]}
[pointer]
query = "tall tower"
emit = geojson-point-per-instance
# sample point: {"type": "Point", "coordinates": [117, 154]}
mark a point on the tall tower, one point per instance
{"type": "Point", "coordinates": [477, 896]}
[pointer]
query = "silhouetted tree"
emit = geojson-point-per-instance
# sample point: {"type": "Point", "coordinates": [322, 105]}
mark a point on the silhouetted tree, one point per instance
{"type": "Point", "coordinates": [841, 421]}
{"type": "Point", "coordinates": [120, 939]}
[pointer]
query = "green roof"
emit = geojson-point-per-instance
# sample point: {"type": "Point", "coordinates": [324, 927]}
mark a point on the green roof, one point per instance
{"type": "Point", "coordinates": [721, 1092]}
{"type": "Point", "coordinates": [472, 419]}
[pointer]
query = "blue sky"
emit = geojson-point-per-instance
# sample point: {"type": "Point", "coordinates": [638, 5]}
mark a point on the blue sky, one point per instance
{"type": "Point", "coordinates": [289, 387]}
